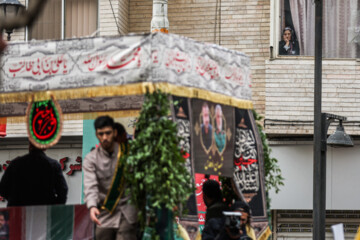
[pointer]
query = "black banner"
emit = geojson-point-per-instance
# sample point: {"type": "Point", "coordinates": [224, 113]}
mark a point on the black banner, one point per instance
{"type": "Point", "coordinates": [182, 118]}
{"type": "Point", "coordinates": [248, 162]}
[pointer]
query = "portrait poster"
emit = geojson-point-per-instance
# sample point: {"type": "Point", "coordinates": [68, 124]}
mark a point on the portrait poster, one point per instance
{"type": "Point", "coordinates": [248, 162]}
{"type": "Point", "coordinates": [213, 127]}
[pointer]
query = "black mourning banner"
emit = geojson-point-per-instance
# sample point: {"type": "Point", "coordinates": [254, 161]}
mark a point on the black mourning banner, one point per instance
{"type": "Point", "coordinates": [248, 162]}
{"type": "Point", "coordinates": [182, 118]}
{"type": "Point", "coordinates": [213, 129]}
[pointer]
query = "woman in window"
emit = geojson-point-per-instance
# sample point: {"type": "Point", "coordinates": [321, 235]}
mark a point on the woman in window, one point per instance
{"type": "Point", "coordinates": [289, 45]}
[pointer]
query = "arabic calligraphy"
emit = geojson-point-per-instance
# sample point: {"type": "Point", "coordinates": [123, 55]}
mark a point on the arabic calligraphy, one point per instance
{"type": "Point", "coordinates": [63, 163]}
{"type": "Point", "coordinates": [103, 61]}
{"type": "Point", "coordinates": [183, 132]}
{"type": "Point", "coordinates": [234, 74]}
{"type": "Point", "coordinates": [73, 167]}
{"type": "Point", "coordinates": [39, 66]}
{"type": "Point", "coordinates": [44, 122]}
{"type": "Point", "coordinates": [155, 57]}
{"type": "Point", "coordinates": [245, 160]}
{"type": "Point", "coordinates": [248, 178]}
{"type": "Point", "coordinates": [178, 61]}
{"type": "Point", "coordinates": [245, 147]}
{"type": "Point", "coordinates": [201, 207]}
{"type": "Point", "coordinates": [207, 68]}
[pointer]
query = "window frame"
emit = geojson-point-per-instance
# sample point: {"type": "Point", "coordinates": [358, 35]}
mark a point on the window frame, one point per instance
{"type": "Point", "coordinates": [63, 5]}
{"type": "Point", "coordinates": [276, 7]}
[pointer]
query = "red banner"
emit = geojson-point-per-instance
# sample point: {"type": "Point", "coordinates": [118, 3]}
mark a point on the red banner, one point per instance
{"type": "Point", "coordinates": [2, 127]}
{"type": "Point", "coordinates": [199, 180]}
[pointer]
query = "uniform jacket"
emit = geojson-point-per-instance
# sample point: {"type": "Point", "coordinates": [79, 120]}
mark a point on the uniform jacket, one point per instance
{"type": "Point", "coordinates": [99, 167]}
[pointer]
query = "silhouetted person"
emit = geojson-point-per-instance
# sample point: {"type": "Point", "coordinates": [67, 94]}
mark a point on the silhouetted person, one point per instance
{"type": "Point", "coordinates": [214, 218]}
{"type": "Point", "coordinates": [33, 179]}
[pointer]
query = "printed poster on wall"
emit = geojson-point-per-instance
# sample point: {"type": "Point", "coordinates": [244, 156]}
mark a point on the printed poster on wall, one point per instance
{"type": "Point", "coordinates": [213, 138]}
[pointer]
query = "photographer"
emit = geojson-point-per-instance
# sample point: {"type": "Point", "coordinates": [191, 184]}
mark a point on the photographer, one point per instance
{"type": "Point", "coordinates": [237, 224]}
{"type": "Point", "coordinates": [245, 219]}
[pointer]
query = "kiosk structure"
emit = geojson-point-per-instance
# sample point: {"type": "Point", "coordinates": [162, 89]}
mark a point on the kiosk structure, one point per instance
{"type": "Point", "coordinates": [88, 77]}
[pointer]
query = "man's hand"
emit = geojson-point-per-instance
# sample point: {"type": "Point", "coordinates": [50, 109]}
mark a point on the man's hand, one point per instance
{"type": "Point", "coordinates": [94, 212]}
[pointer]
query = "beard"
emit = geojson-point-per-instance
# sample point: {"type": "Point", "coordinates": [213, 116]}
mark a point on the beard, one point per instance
{"type": "Point", "coordinates": [107, 145]}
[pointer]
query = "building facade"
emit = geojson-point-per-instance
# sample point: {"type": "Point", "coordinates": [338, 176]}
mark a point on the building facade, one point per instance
{"type": "Point", "coordinates": [283, 85]}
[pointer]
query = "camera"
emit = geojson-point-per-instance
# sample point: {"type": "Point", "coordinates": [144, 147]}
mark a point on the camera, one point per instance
{"type": "Point", "coordinates": [233, 222]}
{"type": "Point", "coordinates": [233, 226]}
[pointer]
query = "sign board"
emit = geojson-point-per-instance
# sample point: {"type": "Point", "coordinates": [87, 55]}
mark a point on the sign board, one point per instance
{"type": "Point", "coordinates": [44, 123]}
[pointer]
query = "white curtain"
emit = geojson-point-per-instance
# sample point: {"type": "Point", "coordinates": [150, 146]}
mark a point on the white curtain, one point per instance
{"type": "Point", "coordinates": [303, 17]}
{"type": "Point", "coordinates": [48, 24]}
{"type": "Point", "coordinates": [339, 24]}
{"type": "Point", "coordinates": [80, 17]}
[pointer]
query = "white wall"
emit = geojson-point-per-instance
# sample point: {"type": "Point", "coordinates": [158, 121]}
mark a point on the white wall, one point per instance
{"type": "Point", "coordinates": [296, 163]}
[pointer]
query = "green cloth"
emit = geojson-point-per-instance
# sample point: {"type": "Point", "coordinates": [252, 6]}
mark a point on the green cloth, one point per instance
{"type": "Point", "coordinates": [118, 183]}
{"type": "Point", "coordinates": [220, 140]}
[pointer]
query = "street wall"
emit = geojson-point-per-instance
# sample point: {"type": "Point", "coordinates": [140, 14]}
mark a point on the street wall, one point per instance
{"type": "Point", "coordinates": [296, 162]}
{"type": "Point", "coordinates": [290, 92]}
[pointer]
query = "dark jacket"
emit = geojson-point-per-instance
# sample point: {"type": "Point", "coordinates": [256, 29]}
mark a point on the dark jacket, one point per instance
{"type": "Point", "coordinates": [214, 220]}
{"type": "Point", "coordinates": [215, 230]}
{"type": "Point", "coordinates": [215, 210]}
{"type": "Point", "coordinates": [293, 50]}
{"type": "Point", "coordinates": [33, 179]}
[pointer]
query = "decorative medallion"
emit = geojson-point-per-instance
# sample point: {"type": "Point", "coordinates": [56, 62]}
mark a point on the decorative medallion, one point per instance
{"type": "Point", "coordinates": [44, 123]}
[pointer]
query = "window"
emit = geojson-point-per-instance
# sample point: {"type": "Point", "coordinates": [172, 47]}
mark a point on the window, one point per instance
{"type": "Point", "coordinates": [341, 31]}
{"type": "Point", "coordinates": [80, 19]}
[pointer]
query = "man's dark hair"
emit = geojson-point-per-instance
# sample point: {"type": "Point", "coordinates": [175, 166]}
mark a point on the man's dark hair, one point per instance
{"type": "Point", "coordinates": [242, 206]}
{"type": "Point", "coordinates": [211, 189]}
{"type": "Point", "coordinates": [104, 121]}
{"type": "Point", "coordinates": [120, 129]}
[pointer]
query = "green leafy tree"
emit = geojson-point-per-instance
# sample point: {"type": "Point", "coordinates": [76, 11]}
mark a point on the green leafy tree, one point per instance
{"type": "Point", "coordinates": [273, 178]}
{"type": "Point", "coordinates": [157, 177]}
